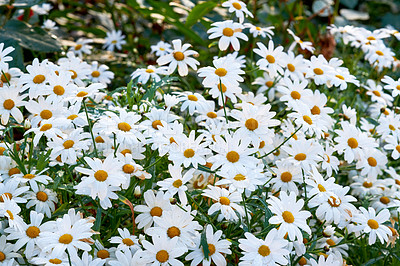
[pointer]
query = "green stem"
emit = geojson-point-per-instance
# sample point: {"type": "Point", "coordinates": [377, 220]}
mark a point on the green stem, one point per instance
{"type": "Point", "coordinates": [90, 128]}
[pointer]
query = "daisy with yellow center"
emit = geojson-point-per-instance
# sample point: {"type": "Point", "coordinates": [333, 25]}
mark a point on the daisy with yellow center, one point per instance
{"type": "Point", "coordinates": [229, 33]}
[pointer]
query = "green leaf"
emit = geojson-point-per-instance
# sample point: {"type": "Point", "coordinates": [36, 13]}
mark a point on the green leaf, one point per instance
{"type": "Point", "coordinates": [17, 55]}
{"type": "Point", "coordinates": [204, 244]}
{"type": "Point", "coordinates": [32, 38]}
{"type": "Point", "coordinates": [198, 12]}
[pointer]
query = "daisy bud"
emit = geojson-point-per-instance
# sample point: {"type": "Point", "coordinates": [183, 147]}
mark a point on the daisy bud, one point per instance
{"type": "Point", "coordinates": [383, 109]}
{"type": "Point", "coordinates": [274, 175]}
{"type": "Point", "coordinates": [302, 261]}
{"type": "Point", "coordinates": [358, 91]}
{"type": "Point", "coordinates": [27, 124]}
{"type": "Point", "coordinates": [137, 192]}
{"type": "Point", "coordinates": [172, 201]}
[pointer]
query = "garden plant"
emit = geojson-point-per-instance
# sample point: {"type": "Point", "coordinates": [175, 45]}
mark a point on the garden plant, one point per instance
{"type": "Point", "coordinates": [153, 132]}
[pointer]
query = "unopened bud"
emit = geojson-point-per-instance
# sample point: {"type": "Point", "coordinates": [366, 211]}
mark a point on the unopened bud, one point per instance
{"type": "Point", "coordinates": [137, 193]}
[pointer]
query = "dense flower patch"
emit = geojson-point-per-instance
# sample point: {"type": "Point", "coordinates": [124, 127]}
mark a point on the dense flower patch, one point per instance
{"type": "Point", "coordinates": [277, 156]}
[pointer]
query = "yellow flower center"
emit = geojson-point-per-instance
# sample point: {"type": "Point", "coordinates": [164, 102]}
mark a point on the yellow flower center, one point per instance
{"type": "Point", "coordinates": [264, 250]}
{"type": "Point", "coordinates": [227, 32]}
{"type": "Point", "coordinates": [295, 95]}
{"type": "Point", "coordinates": [156, 124]}
{"type": "Point", "coordinates": [123, 126]}
{"type": "Point", "coordinates": [100, 175]}
{"type": "Point", "coordinates": [95, 74]}
{"type": "Point", "coordinates": [13, 171]}
{"type": "Point", "coordinates": [286, 177]}
{"type": "Point", "coordinates": [340, 77]}
{"type": "Point", "coordinates": [58, 90]}
{"type": "Point", "coordinates": [269, 84]}
{"type": "Point", "coordinates": [223, 87]}
{"type": "Point", "coordinates": [8, 104]}
{"type": "Point", "coordinates": [128, 168]}
{"type": "Point", "coordinates": [192, 97]}
{"type": "Point", "coordinates": [372, 161]}
{"type": "Point", "coordinates": [373, 224]}
{"type": "Point", "coordinates": [72, 117]}
{"type": "Point", "coordinates": [318, 71]}
{"type": "Point", "coordinates": [6, 77]}
{"type": "Point", "coordinates": [29, 176]}
{"type": "Point", "coordinates": [239, 177]}
{"type": "Point", "coordinates": [352, 142]}
{"type": "Point", "coordinates": [46, 114]}
{"type": "Point", "coordinates": [251, 124]}
{"type": "Point", "coordinates": [315, 110]}
{"type": "Point", "coordinates": [380, 53]}
{"type": "Point", "coordinates": [177, 183]}
{"type": "Point", "coordinates": [32, 232]}
{"type": "Point", "coordinates": [232, 156]}
{"type": "Point", "coordinates": [288, 217]}
{"type": "Point", "coordinates": [103, 254]}
{"type": "Point", "coordinates": [78, 47]}
{"type": "Point", "coordinates": [211, 249]}
{"type": "Point", "coordinates": [291, 67]}
{"type": "Point", "coordinates": [81, 94]}
{"type": "Point", "coordinates": [156, 211]}
{"type": "Point", "coordinates": [321, 188]}
{"type": "Point", "coordinates": [385, 200]}
{"type": "Point", "coordinates": [2, 150]}
{"type": "Point", "coordinates": [224, 201]}
{"type": "Point", "coordinates": [65, 239]}
{"type": "Point", "coordinates": [41, 196]}
{"type": "Point", "coordinates": [38, 79]}
{"type": "Point", "coordinates": [330, 242]}
{"type": "Point", "coordinates": [307, 119]}
{"type": "Point", "coordinates": [376, 93]}
{"type": "Point", "coordinates": [221, 72]}
{"type": "Point", "coordinates": [173, 231]}
{"type": "Point", "coordinates": [149, 70]}
{"type": "Point", "coordinates": [270, 59]}
{"type": "Point", "coordinates": [367, 184]}
{"type": "Point", "coordinates": [212, 115]}
{"type": "Point", "coordinates": [162, 256]}
{"type": "Point", "coordinates": [300, 157]}
{"type": "Point", "coordinates": [55, 261]}
{"type": "Point", "coordinates": [74, 74]}
{"type": "Point", "coordinates": [5, 195]}
{"type": "Point", "coordinates": [237, 5]}
{"type": "Point", "coordinates": [179, 56]}
{"type": "Point", "coordinates": [128, 242]}
{"type": "Point", "coordinates": [68, 144]}
{"type": "Point", "coordinates": [334, 202]}
{"type": "Point", "coordinates": [188, 153]}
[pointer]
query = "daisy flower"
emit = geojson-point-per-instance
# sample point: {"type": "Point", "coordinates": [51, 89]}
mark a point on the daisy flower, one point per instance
{"type": "Point", "coordinates": [287, 177]}
{"type": "Point", "coordinates": [10, 209]}
{"type": "Point", "coordinates": [10, 75]}
{"type": "Point", "coordinates": [101, 73]}
{"type": "Point", "coordinates": [393, 143]}
{"type": "Point", "coordinates": [60, 87]}
{"type": "Point", "coordinates": [270, 251]}
{"type": "Point", "coordinates": [372, 162]}
{"type": "Point", "coordinates": [33, 178]}
{"type": "Point", "coordinates": [189, 150]}
{"type": "Point", "coordinates": [237, 7]}
{"type": "Point", "coordinates": [226, 202]}
{"type": "Point", "coordinates": [294, 66]}
{"type": "Point", "coordinates": [304, 153]}
{"type": "Point", "coordinates": [36, 78]}
{"type": "Point", "coordinates": [67, 235]}
{"type": "Point", "coordinates": [176, 183]}
{"type": "Point", "coordinates": [377, 94]}
{"type": "Point", "coordinates": [371, 223]}
{"type": "Point", "coordinates": [268, 84]}
{"type": "Point", "coordinates": [191, 101]}
{"type": "Point", "coordinates": [319, 70]}
{"type": "Point", "coordinates": [155, 206]}
{"type": "Point", "coordinates": [43, 199]}
{"type": "Point", "coordinates": [254, 122]}
{"type": "Point", "coordinates": [233, 154]}
{"type": "Point", "coordinates": [227, 74]}
{"type": "Point", "coordinates": [330, 260]}
{"type": "Point", "coordinates": [176, 223]}
{"type": "Point", "coordinates": [69, 147]}
{"type": "Point", "coordinates": [30, 234]}
{"type": "Point", "coordinates": [179, 57]}
{"type": "Point", "coordinates": [259, 31]}
{"type": "Point", "coordinates": [10, 100]}
{"type": "Point", "coordinates": [271, 58]}
{"type": "Point", "coordinates": [163, 251]}
{"type": "Point", "coordinates": [144, 74]}
{"type": "Point", "coordinates": [125, 241]}
{"type": "Point", "coordinates": [81, 47]}
{"type": "Point", "coordinates": [293, 91]}
{"type": "Point", "coordinates": [392, 85]}
{"type": "Point", "coordinates": [216, 248]}
{"type": "Point", "coordinates": [6, 249]}
{"type": "Point", "coordinates": [161, 48]}
{"type": "Point", "coordinates": [10, 188]}
{"type": "Point", "coordinates": [114, 39]}
{"type": "Point", "coordinates": [303, 45]}
{"type": "Point", "coordinates": [243, 183]}
{"type": "Point", "coordinates": [101, 177]}
{"type": "Point", "coordinates": [49, 25]}
{"type": "Point", "coordinates": [229, 32]}
{"type": "Point", "coordinates": [4, 57]}
{"type": "Point", "coordinates": [288, 215]}
{"type": "Point", "coordinates": [42, 110]}
{"type": "Point", "coordinates": [79, 69]}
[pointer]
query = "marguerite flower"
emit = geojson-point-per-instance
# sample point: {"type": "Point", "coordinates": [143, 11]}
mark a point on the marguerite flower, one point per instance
{"type": "Point", "coordinates": [229, 32]}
